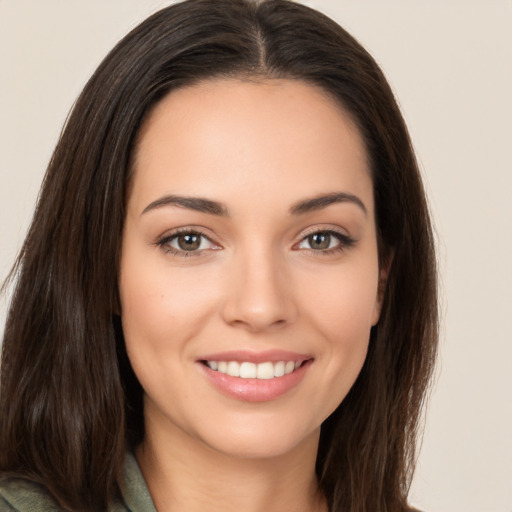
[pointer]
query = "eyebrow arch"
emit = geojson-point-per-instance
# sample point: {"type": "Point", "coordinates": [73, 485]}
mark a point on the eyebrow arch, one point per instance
{"type": "Point", "coordinates": [320, 202]}
{"type": "Point", "coordinates": [191, 203]}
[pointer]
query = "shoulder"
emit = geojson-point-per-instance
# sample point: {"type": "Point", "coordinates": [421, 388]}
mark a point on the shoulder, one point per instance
{"type": "Point", "coordinates": [23, 495]}
{"type": "Point", "coordinates": [20, 495]}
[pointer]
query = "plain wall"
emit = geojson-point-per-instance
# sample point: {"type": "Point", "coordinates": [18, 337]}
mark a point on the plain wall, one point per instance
{"type": "Point", "coordinates": [450, 64]}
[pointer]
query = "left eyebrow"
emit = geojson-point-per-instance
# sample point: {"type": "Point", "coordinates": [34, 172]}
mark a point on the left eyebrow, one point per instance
{"type": "Point", "coordinates": [191, 203]}
{"type": "Point", "coordinates": [320, 202]}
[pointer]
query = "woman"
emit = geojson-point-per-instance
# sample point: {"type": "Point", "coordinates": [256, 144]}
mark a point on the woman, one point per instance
{"type": "Point", "coordinates": [227, 297]}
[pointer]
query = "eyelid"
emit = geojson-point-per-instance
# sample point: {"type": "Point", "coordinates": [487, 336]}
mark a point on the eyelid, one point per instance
{"type": "Point", "coordinates": [345, 240]}
{"type": "Point", "coordinates": [164, 240]}
{"type": "Point", "coordinates": [323, 228]}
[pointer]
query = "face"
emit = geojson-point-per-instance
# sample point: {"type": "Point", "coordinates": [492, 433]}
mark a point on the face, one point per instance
{"type": "Point", "coordinates": [249, 271]}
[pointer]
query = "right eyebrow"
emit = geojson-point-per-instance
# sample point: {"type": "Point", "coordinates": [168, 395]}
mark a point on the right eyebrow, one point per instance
{"type": "Point", "coordinates": [199, 204]}
{"type": "Point", "coordinates": [320, 202]}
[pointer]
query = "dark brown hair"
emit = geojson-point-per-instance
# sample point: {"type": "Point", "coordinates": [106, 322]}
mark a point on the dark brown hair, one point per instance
{"type": "Point", "coordinates": [69, 402]}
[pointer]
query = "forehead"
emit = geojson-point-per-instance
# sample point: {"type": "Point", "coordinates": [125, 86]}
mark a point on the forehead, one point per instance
{"type": "Point", "coordinates": [233, 135]}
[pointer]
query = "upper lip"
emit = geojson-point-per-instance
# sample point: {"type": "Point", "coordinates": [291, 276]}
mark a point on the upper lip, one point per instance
{"type": "Point", "coordinates": [273, 356]}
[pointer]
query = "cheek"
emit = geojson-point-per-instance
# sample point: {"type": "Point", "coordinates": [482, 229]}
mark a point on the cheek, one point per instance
{"type": "Point", "coordinates": [342, 311]}
{"type": "Point", "coordinates": [162, 312]}
{"type": "Point", "coordinates": [346, 329]}
{"type": "Point", "coordinates": [161, 308]}
{"type": "Point", "coordinates": [343, 300]}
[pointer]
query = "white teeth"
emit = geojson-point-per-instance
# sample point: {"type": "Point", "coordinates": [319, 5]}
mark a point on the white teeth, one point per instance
{"type": "Point", "coordinates": [289, 367]}
{"type": "Point", "coordinates": [233, 369]}
{"type": "Point", "coordinates": [265, 371]}
{"type": "Point", "coordinates": [248, 370]}
{"type": "Point", "coordinates": [279, 369]}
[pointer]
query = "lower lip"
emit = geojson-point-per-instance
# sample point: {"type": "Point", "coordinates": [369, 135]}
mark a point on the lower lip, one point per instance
{"type": "Point", "coordinates": [256, 390]}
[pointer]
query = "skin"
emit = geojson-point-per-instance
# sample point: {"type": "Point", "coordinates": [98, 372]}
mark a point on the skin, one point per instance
{"type": "Point", "coordinates": [255, 283]}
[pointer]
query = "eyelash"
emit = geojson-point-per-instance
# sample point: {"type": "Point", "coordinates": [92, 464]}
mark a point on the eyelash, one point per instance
{"type": "Point", "coordinates": [167, 239]}
{"type": "Point", "coordinates": [345, 242]}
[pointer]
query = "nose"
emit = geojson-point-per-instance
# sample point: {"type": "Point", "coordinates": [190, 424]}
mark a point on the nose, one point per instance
{"type": "Point", "coordinates": [259, 295]}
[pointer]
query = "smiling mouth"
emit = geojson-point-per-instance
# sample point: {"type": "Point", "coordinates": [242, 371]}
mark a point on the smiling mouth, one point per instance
{"type": "Point", "coordinates": [255, 377]}
{"type": "Point", "coordinates": [248, 370]}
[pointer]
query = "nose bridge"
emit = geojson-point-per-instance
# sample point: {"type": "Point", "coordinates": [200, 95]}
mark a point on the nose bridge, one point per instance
{"type": "Point", "coordinates": [258, 292]}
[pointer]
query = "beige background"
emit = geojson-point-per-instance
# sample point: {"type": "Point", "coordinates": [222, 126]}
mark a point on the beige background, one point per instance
{"type": "Point", "coordinates": [450, 63]}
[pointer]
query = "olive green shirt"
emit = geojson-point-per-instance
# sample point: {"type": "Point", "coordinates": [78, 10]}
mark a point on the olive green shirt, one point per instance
{"type": "Point", "coordinates": [18, 495]}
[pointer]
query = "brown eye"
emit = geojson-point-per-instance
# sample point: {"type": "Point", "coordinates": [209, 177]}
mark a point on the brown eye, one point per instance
{"type": "Point", "coordinates": [189, 241]}
{"type": "Point", "coordinates": [326, 242]}
{"type": "Point", "coordinates": [319, 241]}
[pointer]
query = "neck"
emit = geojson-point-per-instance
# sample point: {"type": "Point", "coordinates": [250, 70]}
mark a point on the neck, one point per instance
{"type": "Point", "coordinates": [184, 474]}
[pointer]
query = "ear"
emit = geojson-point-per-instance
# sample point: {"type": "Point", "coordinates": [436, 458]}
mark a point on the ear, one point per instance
{"type": "Point", "coordinates": [384, 271]}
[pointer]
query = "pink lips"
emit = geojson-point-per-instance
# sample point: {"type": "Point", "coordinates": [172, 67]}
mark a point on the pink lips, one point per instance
{"type": "Point", "coordinates": [256, 390]}
{"type": "Point", "coordinates": [256, 357]}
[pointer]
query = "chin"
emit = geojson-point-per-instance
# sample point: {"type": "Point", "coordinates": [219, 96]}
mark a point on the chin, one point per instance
{"type": "Point", "coordinates": [260, 443]}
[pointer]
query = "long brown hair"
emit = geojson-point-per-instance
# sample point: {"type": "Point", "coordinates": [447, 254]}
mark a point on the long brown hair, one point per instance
{"type": "Point", "coordinates": [69, 402]}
